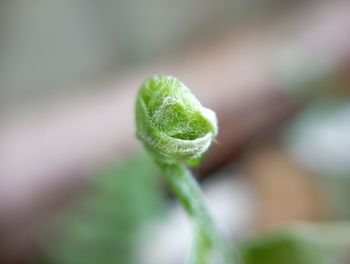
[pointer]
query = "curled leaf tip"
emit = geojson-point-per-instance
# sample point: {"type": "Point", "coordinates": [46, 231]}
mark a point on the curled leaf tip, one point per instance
{"type": "Point", "coordinates": [171, 122]}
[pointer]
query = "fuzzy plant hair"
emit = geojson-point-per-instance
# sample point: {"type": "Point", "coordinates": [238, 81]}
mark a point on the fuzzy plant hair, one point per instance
{"type": "Point", "coordinates": [171, 122]}
{"type": "Point", "coordinates": [176, 129]}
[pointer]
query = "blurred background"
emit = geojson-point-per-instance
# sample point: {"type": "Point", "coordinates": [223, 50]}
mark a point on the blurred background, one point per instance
{"type": "Point", "coordinates": [77, 187]}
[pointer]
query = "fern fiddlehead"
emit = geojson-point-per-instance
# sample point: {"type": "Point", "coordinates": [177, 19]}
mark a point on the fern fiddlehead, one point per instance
{"type": "Point", "coordinates": [176, 129]}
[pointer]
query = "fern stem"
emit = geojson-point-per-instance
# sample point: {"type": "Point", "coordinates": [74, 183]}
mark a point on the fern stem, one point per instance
{"type": "Point", "coordinates": [209, 246]}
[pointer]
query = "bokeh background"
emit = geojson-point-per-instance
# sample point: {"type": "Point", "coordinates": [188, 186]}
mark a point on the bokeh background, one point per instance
{"type": "Point", "coordinates": [77, 187]}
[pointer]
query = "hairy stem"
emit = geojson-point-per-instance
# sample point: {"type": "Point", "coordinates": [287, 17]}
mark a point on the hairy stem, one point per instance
{"type": "Point", "coordinates": [209, 246]}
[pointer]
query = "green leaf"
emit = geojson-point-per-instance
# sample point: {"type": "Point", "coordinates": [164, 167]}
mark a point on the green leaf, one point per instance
{"type": "Point", "coordinates": [300, 244]}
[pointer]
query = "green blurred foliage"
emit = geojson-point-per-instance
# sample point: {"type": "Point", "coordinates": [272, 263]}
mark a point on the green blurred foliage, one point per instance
{"type": "Point", "coordinates": [300, 244]}
{"type": "Point", "coordinates": [103, 227]}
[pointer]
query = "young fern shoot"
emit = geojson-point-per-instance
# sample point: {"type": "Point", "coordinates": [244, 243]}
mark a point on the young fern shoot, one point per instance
{"type": "Point", "coordinates": [176, 129]}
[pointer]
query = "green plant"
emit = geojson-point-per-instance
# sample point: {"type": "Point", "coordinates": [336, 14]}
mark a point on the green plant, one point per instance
{"type": "Point", "coordinates": [177, 129]}
{"type": "Point", "coordinates": [103, 225]}
{"type": "Point", "coordinates": [300, 243]}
